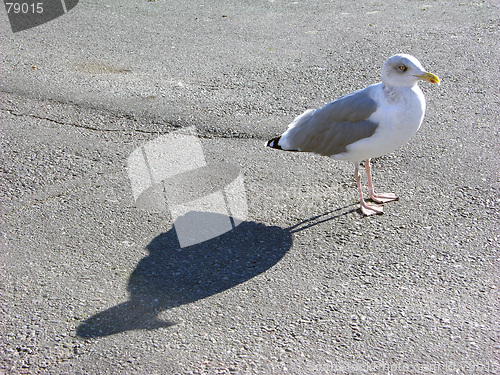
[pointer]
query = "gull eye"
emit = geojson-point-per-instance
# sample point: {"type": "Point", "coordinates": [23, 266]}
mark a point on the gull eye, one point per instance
{"type": "Point", "coordinates": [403, 68]}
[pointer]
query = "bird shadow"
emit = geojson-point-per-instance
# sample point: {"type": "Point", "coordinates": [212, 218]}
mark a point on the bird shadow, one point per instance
{"type": "Point", "coordinates": [172, 276]}
{"type": "Point", "coordinates": [322, 218]}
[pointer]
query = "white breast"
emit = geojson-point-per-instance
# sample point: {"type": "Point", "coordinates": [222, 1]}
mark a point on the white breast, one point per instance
{"type": "Point", "coordinates": [399, 116]}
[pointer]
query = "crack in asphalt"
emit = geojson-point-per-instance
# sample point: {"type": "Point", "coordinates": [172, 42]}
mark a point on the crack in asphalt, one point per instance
{"type": "Point", "coordinates": [86, 127]}
{"type": "Point", "coordinates": [204, 134]}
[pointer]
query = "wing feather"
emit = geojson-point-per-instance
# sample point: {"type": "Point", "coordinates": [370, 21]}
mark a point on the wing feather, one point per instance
{"type": "Point", "coordinates": [330, 129]}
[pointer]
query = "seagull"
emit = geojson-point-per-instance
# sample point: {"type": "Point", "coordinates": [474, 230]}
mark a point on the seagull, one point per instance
{"type": "Point", "coordinates": [367, 123]}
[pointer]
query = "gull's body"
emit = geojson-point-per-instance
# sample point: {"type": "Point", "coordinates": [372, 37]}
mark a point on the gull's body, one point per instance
{"type": "Point", "coordinates": [367, 123]}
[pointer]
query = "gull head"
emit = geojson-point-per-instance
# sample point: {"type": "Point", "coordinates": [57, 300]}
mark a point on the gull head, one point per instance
{"type": "Point", "coordinates": [405, 71]}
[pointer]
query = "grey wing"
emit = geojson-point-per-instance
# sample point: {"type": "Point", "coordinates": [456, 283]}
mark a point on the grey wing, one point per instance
{"type": "Point", "coordinates": [331, 128]}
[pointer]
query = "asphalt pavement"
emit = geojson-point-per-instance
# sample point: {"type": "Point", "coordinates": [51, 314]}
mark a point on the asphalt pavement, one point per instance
{"type": "Point", "coordinates": [95, 276]}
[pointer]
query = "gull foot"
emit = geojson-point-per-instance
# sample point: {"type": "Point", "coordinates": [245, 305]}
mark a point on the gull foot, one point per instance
{"type": "Point", "coordinates": [372, 209]}
{"type": "Point", "coordinates": [384, 197]}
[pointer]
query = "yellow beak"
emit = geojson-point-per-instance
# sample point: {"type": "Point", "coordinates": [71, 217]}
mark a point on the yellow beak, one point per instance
{"type": "Point", "coordinates": [429, 77]}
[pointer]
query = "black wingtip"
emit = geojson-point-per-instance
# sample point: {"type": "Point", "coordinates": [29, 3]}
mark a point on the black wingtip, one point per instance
{"type": "Point", "coordinates": [273, 143]}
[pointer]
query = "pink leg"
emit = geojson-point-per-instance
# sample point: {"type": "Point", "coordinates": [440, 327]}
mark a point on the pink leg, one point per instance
{"type": "Point", "coordinates": [366, 208]}
{"type": "Point", "coordinates": [381, 197]}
